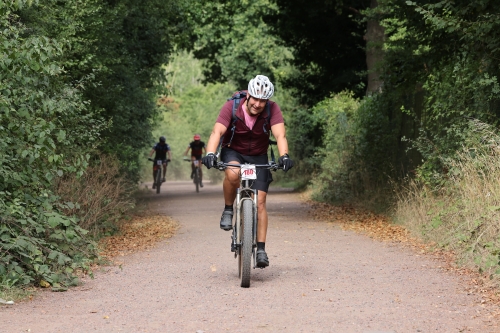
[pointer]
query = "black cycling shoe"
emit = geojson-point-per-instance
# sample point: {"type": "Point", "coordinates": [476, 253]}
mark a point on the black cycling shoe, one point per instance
{"type": "Point", "coordinates": [192, 175]}
{"type": "Point", "coordinates": [201, 184]}
{"type": "Point", "coordinates": [262, 259]}
{"type": "Point", "coordinates": [226, 220]}
{"type": "Point", "coordinates": [154, 186]}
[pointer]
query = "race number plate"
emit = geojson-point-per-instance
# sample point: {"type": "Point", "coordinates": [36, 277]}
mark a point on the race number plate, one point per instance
{"type": "Point", "coordinates": [159, 162]}
{"type": "Point", "coordinates": [195, 162]}
{"type": "Point", "coordinates": [248, 172]}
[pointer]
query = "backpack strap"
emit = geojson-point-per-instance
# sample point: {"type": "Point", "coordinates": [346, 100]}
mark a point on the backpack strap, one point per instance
{"type": "Point", "coordinates": [236, 98]}
{"type": "Point", "coordinates": [236, 103]}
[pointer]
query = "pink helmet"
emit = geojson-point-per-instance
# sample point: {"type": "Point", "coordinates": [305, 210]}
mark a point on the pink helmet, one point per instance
{"type": "Point", "coordinates": [197, 137]}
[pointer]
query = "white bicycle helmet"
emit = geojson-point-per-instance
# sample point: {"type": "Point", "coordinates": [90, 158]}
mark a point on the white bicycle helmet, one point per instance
{"type": "Point", "coordinates": [260, 87]}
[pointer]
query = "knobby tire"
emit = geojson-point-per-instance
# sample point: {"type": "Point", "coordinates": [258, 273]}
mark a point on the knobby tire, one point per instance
{"type": "Point", "coordinates": [246, 229]}
{"type": "Point", "coordinates": [158, 180]}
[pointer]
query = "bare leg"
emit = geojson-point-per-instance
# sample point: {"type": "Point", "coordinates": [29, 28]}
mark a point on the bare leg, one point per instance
{"type": "Point", "coordinates": [262, 216]}
{"type": "Point", "coordinates": [231, 183]}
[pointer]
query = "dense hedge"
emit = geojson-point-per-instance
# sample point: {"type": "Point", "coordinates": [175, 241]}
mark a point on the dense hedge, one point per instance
{"type": "Point", "coordinates": [77, 77]}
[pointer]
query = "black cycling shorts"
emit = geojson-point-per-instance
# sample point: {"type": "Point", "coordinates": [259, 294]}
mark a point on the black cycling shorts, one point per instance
{"type": "Point", "coordinates": [198, 157]}
{"type": "Point", "coordinates": [264, 177]}
{"type": "Point", "coordinates": [163, 160]}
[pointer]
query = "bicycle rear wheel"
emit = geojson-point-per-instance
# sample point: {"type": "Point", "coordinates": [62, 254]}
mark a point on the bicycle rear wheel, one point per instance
{"type": "Point", "coordinates": [158, 180]}
{"type": "Point", "coordinates": [246, 226]}
{"type": "Point", "coordinates": [197, 179]}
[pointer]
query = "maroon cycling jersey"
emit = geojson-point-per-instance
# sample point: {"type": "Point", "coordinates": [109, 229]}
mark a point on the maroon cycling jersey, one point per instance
{"type": "Point", "coordinates": [246, 141]}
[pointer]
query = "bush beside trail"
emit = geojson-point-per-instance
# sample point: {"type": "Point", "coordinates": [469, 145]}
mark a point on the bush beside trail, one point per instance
{"type": "Point", "coordinates": [77, 81]}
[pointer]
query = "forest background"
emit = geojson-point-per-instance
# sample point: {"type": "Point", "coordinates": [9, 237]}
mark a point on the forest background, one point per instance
{"type": "Point", "coordinates": [390, 105]}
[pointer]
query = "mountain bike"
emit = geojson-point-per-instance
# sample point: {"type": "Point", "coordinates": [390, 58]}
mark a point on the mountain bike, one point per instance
{"type": "Point", "coordinates": [196, 173]}
{"type": "Point", "coordinates": [245, 222]}
{"type": "Point", "coordinates": [157, 166]}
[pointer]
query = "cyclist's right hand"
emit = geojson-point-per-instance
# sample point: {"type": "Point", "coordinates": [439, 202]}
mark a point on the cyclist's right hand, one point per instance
{"type": "Point", "coordinates": [210, 160]}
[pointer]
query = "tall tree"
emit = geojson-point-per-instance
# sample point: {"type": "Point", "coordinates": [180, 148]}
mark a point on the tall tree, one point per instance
{"type": "Point", "coordinates": [328, 44]}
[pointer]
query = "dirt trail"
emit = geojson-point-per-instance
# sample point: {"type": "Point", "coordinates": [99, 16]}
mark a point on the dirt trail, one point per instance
{"type": "Point", "coordinates": [321, 279]}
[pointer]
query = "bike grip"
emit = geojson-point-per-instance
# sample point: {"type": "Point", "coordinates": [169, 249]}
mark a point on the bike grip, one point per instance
{"type": "Point", "coordinates": [220, 165]}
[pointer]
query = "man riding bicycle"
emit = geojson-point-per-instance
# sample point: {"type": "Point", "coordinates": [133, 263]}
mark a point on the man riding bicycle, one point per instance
{"type": "Point", "coordinates": [197, 149]}
{"type": "Point", "coordinates": [247, 142]}
{"type": "Point", "coordinates": [162, 149]}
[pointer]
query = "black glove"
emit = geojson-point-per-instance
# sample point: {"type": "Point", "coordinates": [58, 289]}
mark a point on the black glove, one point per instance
{"type": "Point", "coordinates": [210, 160]}
{"type": "Point", "coordinates": [285, 162]}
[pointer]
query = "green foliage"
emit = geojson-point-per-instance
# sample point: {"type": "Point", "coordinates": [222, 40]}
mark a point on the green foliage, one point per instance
{"type": "Point", "coordinates": [350, 171]}
{"type": "Point", "coordinates": [442, 72]}
{"type": "Point", "coordinates": [336, 115]}
{"type": "Point", "coordinates": [123, 44]}
{"type": "Point", "coordinates": [236, 43]}
{"type": "Point", "coordinates": [42, 119]}
{"type": "Point", "coordinates": [75, 76]}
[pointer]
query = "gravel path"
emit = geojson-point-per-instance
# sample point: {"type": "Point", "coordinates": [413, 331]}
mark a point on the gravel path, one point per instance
{"type": "Point", "coordinates": [320, 279]}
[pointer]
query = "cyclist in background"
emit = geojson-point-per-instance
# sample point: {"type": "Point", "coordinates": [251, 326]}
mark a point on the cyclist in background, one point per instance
{"type": "Point", "coordinates": [247, 142]}
{"type": "Point", "coordinates": [162, 149]}
{"type": "Point", "coordinates": [197, 149]}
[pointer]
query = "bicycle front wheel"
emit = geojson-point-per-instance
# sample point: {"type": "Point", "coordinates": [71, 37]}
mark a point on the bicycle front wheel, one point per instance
{"type": "Point", "coordinates": [246, 229]}
{"type": "Point", "coordinates": [158, 180]}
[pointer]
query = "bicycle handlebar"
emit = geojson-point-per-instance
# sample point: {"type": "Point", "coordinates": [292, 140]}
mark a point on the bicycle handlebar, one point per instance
{"type": "Point", "coordinates": [271, 166]}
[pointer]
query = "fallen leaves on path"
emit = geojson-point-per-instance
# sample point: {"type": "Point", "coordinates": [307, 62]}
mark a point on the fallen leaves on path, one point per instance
{"type": "Point", "coordinates": [140, 233]}
{"type": "Point", "coordinates": [370, 224]}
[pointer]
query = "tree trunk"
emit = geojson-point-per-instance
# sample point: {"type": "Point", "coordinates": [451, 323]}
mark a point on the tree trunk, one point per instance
{"type": "Point", "coordinates": [374, 37]}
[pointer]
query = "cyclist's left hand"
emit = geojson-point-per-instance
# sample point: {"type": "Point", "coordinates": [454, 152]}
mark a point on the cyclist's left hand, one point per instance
{"type": "Point", "coordinates": [285, 162]}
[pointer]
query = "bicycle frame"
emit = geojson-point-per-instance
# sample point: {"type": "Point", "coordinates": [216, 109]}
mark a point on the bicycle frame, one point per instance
{"type": "Point", "coordinates": [245, 192]}
{"type": "Point", "coordinates": [157, 172]}
{"type": "Point", "coordinates": [197, 171]}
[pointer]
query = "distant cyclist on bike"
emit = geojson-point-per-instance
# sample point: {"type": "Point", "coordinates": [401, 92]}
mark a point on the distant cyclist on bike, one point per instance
{"type": "Point", "coordinates": [197, 149]}
{"type": "Point", "coordinates": [247, 141]}
{"type": "Point", "coordinates": [162, 149]}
